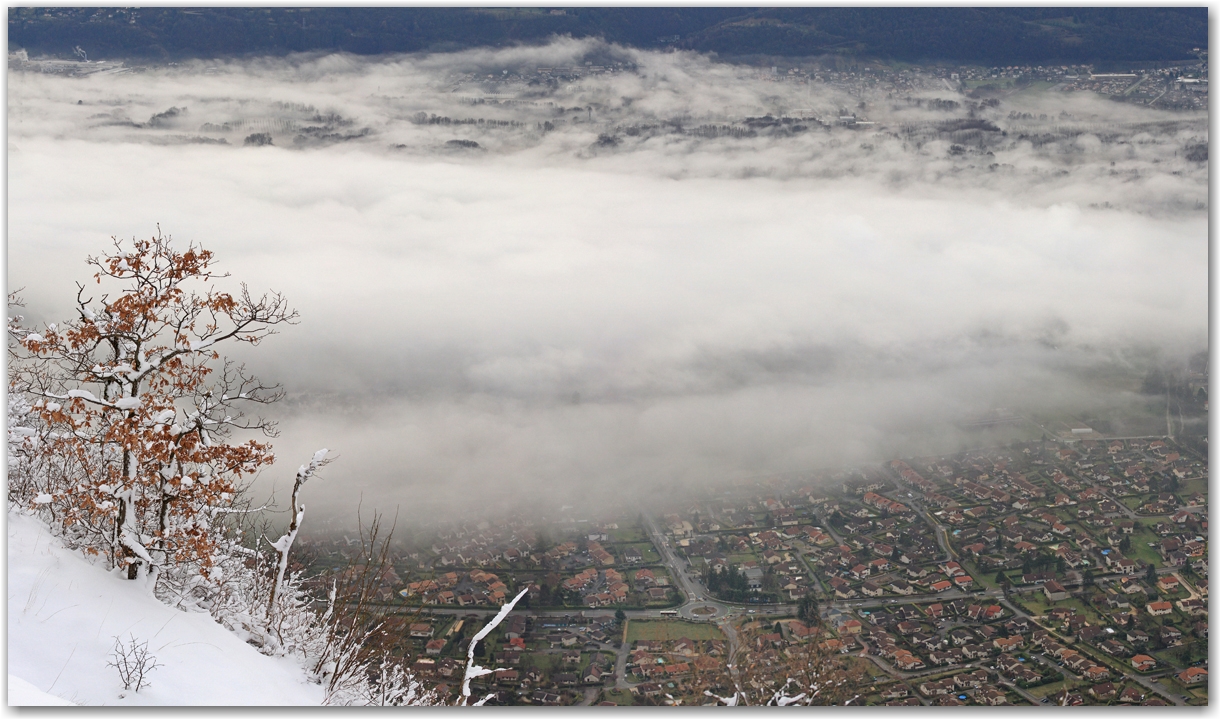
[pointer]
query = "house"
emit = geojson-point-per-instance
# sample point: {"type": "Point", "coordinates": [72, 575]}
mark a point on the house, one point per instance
{"type": "Point", "coordinates": [1088, 634]}
{"type": "Point", "coordinates": [1168, 583]}
{"type": "Point", "coordinates": [435, 646]}
{"type": "Point", "coordinates": [593, 675]}
{"type": "Point", "coordinates": [971, 680]}
{"type": "Point", "coordinates": [1193, 675]}
{"type": "Point", "coordinates": [1143, 663]}
{"type": "Point", "coordinates": [907, 661]}
{"type": "Point", "coordinates": [844, 592]}
{"type": "Point", "coordinates": [1005, 644]}
{"type": "Point", "coordinates": [974, 651]}
{"type": "Point", "coordinates": [1157, 609]}
{"type": "Point", "coordinates": [952, 569]}
{"type": "Point", "coordinates": [991, 697]}
{"type": "Point", "coordinates": [1131, 695]}
{"type": "Point", "coordinates": [1054, 591]}
{"type": "Point", "coordinates": [936, 688]}
{"type": "Point", "coordinates": [1193, 607]}
{"type": "Point", "coordinates": [1064, 698]}
{"type": "Point", "coordinates": [1103, 692]}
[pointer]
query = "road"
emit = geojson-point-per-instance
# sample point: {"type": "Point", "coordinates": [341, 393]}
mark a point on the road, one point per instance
{"type": "Point", "coordinates": [723, 614]}
{"type": "Point", "coordinates": [1146, 681]}
{"type": "Point", "coordinates": [942, 537]}
{"type": "Point", "coordinates": [697, 597]}
{"type": "Point", "coordinates": [1149, 682]}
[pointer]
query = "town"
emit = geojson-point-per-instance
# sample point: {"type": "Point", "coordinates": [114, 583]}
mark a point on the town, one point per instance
{"type": "Point", "coordinates": [1067, 571]}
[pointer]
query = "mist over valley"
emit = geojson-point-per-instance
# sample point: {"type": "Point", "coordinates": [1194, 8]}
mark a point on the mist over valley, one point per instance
{"type": "Point", "coordinates": [589, 275]}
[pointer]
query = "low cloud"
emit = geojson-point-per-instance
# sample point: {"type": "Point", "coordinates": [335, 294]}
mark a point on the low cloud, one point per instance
{"type": "Point", "coordinates": [630, 300]}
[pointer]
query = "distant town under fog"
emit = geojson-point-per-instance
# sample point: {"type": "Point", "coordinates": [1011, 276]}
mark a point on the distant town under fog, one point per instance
{"type": "Point", "coordinates": [647, 376]}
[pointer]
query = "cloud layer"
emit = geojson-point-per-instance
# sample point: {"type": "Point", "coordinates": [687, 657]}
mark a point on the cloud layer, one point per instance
{"type": "Point", "coordinates": [552, 316]}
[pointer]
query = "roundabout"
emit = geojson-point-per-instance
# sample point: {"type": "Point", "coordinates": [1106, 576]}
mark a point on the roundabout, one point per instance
{"type": "Point", "coordinates": [701, 611]}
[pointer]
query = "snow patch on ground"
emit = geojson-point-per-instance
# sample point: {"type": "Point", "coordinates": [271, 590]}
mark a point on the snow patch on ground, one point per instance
{"type": "Point", "coordinates": [23, 694]}
{"type": "Point", "coordinates": [63, 616]}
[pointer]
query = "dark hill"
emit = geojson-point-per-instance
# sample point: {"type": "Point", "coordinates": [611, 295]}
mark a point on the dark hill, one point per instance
{"type": "Point", "coordinates": [996, 35]}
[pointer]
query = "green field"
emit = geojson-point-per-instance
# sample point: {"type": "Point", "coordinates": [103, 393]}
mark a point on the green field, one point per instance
{"type": "Point", "coordinates": [1190, 486]}
{"type": "Point", "coordinates": [1036, 603]}
{"type": "Point", "coordinates": [628, 535]}
{"type": "Point", "coordinates": [987, 580]}
{"type": "Point", "coordinates": [622, 697]}
{"type": "Point", "coordinates": [1135, 501]}
{"type": "Point", "coordinates": [1048, 689]}
{"type": "Point", "coordinates": [645, 549]}
{"type": "Point", "coordinates": [1140, 550]}
{"type": "Point", "coordinates": [671, 630]}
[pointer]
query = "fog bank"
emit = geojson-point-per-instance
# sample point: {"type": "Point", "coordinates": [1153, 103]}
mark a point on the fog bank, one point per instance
{"type": "Point", "coordinates": [624, 304]}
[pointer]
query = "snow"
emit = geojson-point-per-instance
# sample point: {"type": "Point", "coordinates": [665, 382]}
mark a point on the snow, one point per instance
{"type": "Point", "coordinates": [23, 694]}
{"type": "Point", "coordinates": [64, 614]}
{"type": "Point", "coordinates": [472, 669]}
{"type": "Point", "coordinates": [127, 403]}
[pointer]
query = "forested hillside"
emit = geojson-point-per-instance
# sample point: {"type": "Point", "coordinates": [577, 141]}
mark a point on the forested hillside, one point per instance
{"type": "Point", "coordinates": [995, 35]}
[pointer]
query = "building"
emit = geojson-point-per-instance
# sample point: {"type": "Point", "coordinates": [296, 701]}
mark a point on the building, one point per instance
{"type": "Point", "coordinates": [1054, 591]}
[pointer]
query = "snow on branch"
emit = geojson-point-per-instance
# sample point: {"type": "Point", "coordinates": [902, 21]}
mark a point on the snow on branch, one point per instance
{"type": "Point", "coordinates": [473, 670]}
{"type": "Point", "coordinates": [284, 543]}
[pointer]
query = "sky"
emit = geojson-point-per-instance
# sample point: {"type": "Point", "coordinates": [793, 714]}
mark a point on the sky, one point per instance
{"type": "Point", "coordinates": [620, 307]}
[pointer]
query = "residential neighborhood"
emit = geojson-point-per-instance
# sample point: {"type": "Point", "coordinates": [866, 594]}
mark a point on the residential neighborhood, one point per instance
{"type": "Point", "coordinates": [1065, 572]}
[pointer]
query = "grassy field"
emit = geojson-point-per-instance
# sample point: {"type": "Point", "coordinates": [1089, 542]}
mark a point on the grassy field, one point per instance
{"type": "Point", "coordinates": [739, 559]}
{"type": "Point", "coordinates": [628, 535]}
{"type": "Point", "coordinates": [1191, 486]}
{"type": "Point", "coordinates": [1134, 501]}
{"type": "Point", "coordinates": [671, 630]}
{"type": "Point", "coordinates": [987, 580]}
{"type": "Point", "coordinates": [1140, 550]}
{"type": "Point", "coordinates": [1048, 689]}
{"type": "Point", "coordinates": [622, 697]}
{"type": "Point", "coordinates": [645, 549]}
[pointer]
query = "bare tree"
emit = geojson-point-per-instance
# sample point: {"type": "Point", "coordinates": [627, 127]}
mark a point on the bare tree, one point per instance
{"type": "Point", "coordinates": [133, 662]}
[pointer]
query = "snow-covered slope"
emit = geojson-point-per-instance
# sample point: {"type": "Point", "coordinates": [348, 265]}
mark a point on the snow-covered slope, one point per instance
{"type": "Point", "coordinates": [63, 616]}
